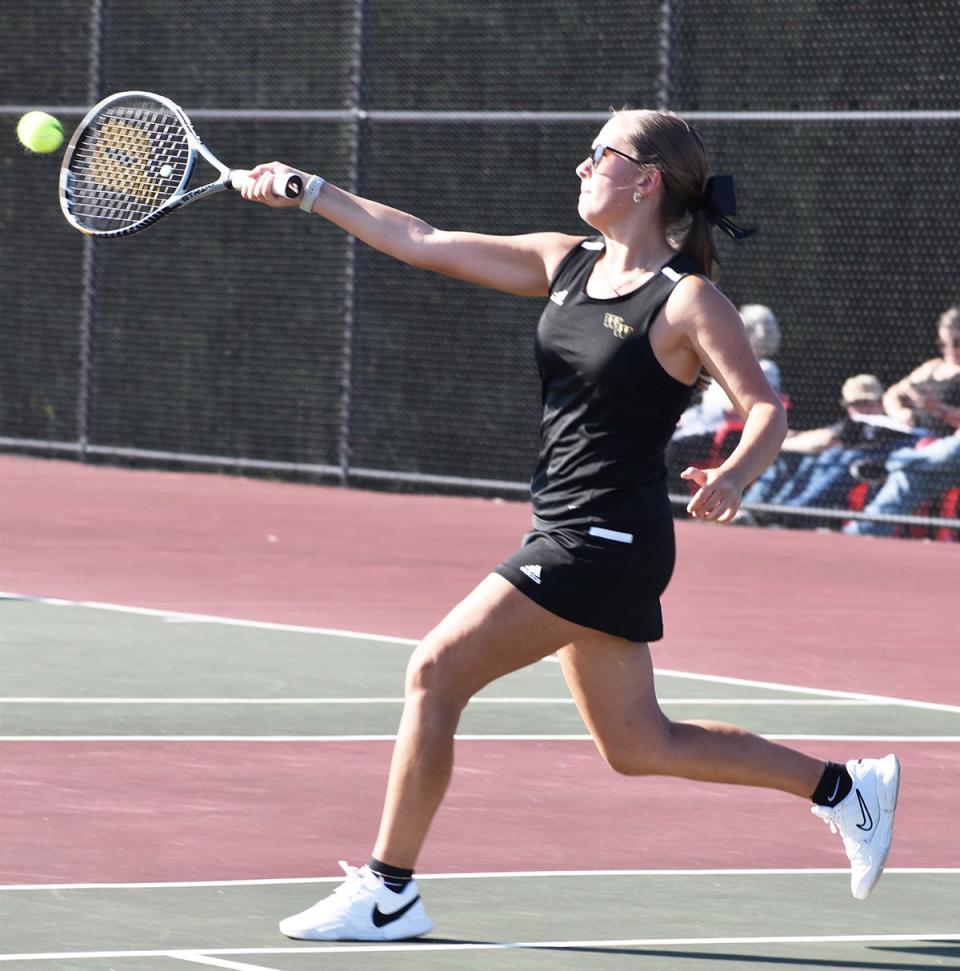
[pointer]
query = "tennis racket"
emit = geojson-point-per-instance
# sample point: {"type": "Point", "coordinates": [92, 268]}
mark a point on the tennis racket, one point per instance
{"type": "Point", "coordinates": [130, 162]}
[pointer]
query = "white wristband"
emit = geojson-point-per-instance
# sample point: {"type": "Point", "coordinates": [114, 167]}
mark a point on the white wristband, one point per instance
{"type": "Point", "coordinates": [310, 192]}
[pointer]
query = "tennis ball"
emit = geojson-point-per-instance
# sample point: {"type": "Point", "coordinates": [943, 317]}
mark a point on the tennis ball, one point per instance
{"type": "Point", "coordinates": [40, 132]}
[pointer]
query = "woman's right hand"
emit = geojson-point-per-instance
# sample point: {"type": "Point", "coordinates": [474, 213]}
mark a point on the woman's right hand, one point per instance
{"type": "Point", "coordinates": [258, 186]}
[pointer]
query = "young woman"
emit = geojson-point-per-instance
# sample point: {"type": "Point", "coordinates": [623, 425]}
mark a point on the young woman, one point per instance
{"type": "Point", "coordinates": [630, 322]}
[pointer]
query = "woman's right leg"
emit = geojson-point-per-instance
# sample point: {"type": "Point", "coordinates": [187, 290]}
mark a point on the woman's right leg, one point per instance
{"type": "Point", "coordinates": [494, 631]}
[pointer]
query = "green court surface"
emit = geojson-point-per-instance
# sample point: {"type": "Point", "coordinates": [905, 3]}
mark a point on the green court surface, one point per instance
{"type": "Point", "coordinates": [535, 921]}
{"type": "Point", "coordinates": [85, 672]}
{"type": "Point", "coordinates": [71, 670]}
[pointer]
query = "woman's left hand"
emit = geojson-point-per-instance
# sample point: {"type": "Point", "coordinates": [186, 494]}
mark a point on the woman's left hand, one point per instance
{"type": "Point", "coordinates": [718, 497]}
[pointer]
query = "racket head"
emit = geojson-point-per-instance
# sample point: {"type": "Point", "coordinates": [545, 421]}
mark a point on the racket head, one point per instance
{"type": "Point", "coordinates": [127, 164]}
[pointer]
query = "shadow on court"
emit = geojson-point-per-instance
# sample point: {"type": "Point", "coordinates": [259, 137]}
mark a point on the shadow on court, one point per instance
{"type": "Point", "coordinates": [701, 957]}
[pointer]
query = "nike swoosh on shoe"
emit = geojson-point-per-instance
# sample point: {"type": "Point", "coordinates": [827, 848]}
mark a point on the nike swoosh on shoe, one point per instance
{"type": "Point", "coordinates": [380, 919]}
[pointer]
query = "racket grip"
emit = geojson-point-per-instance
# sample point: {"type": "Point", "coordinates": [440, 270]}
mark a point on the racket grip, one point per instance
{"type": "Point", "coordinates": [289, 185]}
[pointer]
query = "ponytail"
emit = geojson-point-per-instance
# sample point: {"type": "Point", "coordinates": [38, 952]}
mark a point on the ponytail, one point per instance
{"type": "Point", "coordinates": [716, 205]}
{"type": "Point", "coordinates": [698, 243]}
{"type": "Point", "coordinates": [692, 203]}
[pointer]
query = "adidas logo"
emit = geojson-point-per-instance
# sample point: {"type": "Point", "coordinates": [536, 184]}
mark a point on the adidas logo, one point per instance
{"type": "Point", "coordinates": [558, 296]}
{"type": "Point", "coordinates": [532, 570]}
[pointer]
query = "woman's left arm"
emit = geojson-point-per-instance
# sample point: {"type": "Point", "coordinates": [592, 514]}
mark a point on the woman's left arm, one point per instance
{"type": "Point", "coordinates": [713, 330]}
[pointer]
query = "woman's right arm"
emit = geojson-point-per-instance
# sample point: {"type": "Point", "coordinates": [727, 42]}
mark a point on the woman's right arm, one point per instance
{"type": "Point", "coordinates": [522, 265]}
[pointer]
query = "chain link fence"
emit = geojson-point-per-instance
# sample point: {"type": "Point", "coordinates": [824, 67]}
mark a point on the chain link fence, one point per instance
{"type": "Point", "coordinates": [234, 338]}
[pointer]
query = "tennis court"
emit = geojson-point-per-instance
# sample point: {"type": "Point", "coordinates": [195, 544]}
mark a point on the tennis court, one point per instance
{"type": "Point", "coordinates": [201, 674]}
{"type": "Point", "coordinates": [189, 747]}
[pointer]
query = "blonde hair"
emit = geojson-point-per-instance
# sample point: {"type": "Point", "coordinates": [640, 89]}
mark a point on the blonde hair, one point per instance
{"type": "Point", "coordinates": [762, 329]}
{"type": "Point", "coordinates": [671, 145]}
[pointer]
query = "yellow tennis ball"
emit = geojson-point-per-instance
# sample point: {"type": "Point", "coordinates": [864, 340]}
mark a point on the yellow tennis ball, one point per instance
{"type": "Point", "coordinates": [40, 132]}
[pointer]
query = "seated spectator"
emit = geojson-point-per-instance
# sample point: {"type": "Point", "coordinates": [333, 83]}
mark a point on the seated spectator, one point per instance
{"type": "Point", "coordinates": [928, 396]}
{"type": "Point", "coordinates": [764, 333]}
{"type": "Point", "coordinates": [927, 399]}
{"type": "Point", "coordinates": [714, 407]}
{"type": "Point", "coordinates": [693, 438]}
{"type": "Point", "coordinates": [814, 466]}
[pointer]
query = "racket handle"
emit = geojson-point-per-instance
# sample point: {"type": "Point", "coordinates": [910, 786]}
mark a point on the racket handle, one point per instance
{"type": "Point", "coordinates": [289, 185]}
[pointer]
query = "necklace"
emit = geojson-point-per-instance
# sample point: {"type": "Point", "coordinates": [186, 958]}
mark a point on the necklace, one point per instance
{"type": "Point", "coordinates": [632, 280]}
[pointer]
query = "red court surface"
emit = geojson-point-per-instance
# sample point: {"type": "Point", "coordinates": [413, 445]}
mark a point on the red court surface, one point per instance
{"type": "Point", "coordinates": [825, 610]}
{"type": "Point", "coordinates": [808, 609]}
{"type": "Point", "coordinates": [179, 811]}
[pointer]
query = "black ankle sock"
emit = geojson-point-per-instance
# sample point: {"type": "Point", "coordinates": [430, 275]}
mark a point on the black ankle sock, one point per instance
{"type": "Point", "coordinates": [834, 785]}
{"type": "Point", "coordinates": [395, 878]}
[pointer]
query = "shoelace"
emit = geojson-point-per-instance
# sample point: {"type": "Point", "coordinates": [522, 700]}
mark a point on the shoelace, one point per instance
{"type": "Point", "coordinates": [852, 846]}
{"type": "Point", "coordinates": [830, 816]}
{"type": "Point", "coordinates": [356, 882]}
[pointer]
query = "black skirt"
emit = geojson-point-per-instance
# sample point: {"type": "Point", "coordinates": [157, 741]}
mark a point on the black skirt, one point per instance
{"type": "Point", "coordinates": [606, 577]}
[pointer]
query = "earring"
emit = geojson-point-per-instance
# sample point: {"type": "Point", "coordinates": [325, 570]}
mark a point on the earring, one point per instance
{"type": "Point", "coordinates": [638, 196]}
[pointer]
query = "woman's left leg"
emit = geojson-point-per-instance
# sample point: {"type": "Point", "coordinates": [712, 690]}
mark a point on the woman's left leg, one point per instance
{"type": "Point", "coordinates": [612, 683]}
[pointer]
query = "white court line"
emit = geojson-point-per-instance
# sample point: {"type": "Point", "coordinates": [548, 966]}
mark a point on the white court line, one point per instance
{"type": "Point", "coordinates": [180, 617]}
{"type": "Point", "coordinates": [486, 700]}
{"type": "Point", "coordinates": [264, 625]}
{"type": "Point", "coordinates": [746, 682]}
{"type": "Point", "coordinates": [425, 946]}
{"type": "Point", "coordinates": [489, 875]}
{"type": "Point", "coordinates": [218, 962]}
{"type": "Point", "coordinates": [458, 738]}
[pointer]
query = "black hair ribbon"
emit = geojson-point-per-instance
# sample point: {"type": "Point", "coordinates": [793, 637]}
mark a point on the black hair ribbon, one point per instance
{"type": "Point", "coordinates": [719, 201]}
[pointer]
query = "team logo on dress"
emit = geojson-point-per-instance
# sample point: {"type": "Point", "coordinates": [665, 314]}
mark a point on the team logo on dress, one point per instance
{"type": "Point", "coordinates": [617, 325]}
{"type": "Point", "coordinates": [558, 296]}
{"type": "Point", "coordinates": [532, 570]}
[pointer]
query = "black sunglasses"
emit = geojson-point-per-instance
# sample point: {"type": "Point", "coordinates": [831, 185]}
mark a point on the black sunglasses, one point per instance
{"type": "Point", "coordinates": [597, 152]}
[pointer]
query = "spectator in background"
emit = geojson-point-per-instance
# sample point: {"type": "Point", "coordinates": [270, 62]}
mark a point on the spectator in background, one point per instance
{"type": "Point", "coordinates": [693, 439]}
{"type": "Point", "coordinates": [928, 400]}
{"type": "Point", "coordinates": [764, 334]}
{"type": "Point", "coordinates": [814, 466]}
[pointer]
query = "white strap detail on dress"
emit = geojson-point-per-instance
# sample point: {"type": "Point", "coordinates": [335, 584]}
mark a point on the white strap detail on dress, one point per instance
{"type": "Point", "coordinates": [613, 534]}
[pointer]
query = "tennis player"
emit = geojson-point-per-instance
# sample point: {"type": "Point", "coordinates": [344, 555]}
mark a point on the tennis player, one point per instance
{"type": "Point", "coordinates": [630, 322]}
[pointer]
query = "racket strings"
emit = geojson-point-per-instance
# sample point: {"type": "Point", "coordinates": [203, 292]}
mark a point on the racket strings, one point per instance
{"type": "Point", "coordinates": [131, 158]}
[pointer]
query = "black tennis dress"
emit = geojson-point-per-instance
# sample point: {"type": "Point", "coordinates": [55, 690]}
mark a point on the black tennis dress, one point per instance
{"type": "Point", "coordinates": [602, 547]}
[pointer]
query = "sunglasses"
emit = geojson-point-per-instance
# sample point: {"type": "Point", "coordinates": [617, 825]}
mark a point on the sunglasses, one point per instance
{"type": "Point", "coordinates": [598, 150]}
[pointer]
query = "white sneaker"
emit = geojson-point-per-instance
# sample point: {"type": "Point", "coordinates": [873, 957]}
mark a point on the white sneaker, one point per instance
{"type": "Point", "coordinates": [362, 908]}
{"type": "Point", "coordinates": [865, 819]}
